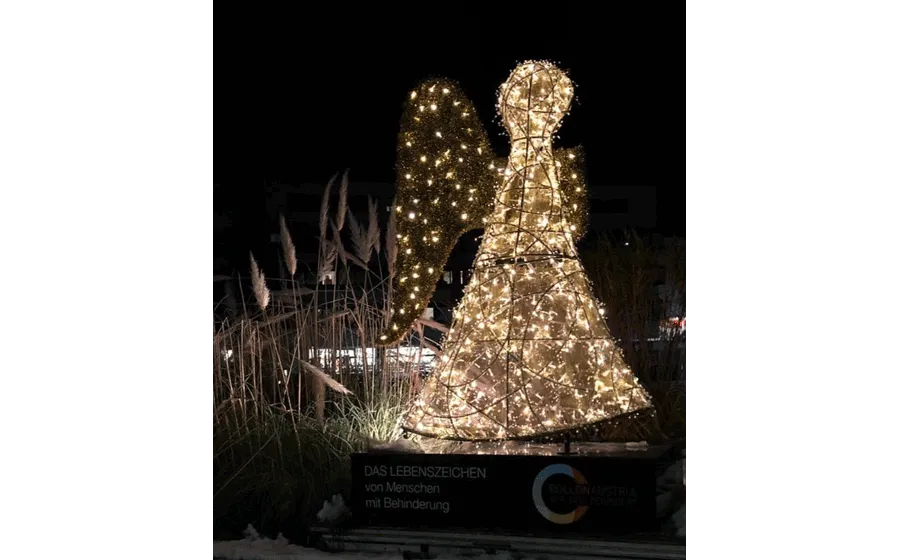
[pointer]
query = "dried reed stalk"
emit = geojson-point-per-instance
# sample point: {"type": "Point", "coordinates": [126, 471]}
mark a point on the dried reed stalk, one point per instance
{"type": "Point", "coordinates": [390, 243]}
{"type": "Point", "coordinates": [323, 209]}
{"type": "Point", "coordinates": [341, 251]}
{"type": "Point", "coordinates": [287, 246]}
{"type": "Point", "coordinates": [342, 201]}
{"type": "Point", "coordinates": [434, 325]}
{"type": "Point", "coordinates": [374, 232]}
{"type": "Point", "coordinates": [360, 239]}
{"type": "Point", "coordinates": [260, 291]}
{"type": "Point", "coordinates": [324, 377]}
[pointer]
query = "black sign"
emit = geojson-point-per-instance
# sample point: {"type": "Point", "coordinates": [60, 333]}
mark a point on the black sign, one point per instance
{"type": "Point", "coordinates": [581, 493]}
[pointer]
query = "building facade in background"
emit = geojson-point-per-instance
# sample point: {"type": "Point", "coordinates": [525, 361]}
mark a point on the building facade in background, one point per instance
{"type": "Point", "coordinates": [613, 209]}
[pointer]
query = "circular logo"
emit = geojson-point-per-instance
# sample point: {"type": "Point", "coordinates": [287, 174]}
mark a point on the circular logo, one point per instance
{"type": "Point", "coordinates": [537, 489]}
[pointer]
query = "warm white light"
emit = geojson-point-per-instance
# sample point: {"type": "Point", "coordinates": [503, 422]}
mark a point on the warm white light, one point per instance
{"type": "Point", "coordinates": [528, 351]}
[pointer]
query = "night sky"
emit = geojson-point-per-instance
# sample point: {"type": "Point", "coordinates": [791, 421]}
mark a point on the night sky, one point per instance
{"type": "Point", "coordinates": [300, 95]}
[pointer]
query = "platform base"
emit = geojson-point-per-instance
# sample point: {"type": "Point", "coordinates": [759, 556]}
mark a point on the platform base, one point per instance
{"type": "Point", "coordinates": [603, 492]}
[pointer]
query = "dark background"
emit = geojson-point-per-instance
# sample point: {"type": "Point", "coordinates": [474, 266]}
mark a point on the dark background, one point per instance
{"type": "Point", "coordinates": [303, 92]}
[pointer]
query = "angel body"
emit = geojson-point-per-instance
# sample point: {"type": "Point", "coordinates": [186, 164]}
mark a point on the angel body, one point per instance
{"type": "Point", "coordinates": [528, 351]}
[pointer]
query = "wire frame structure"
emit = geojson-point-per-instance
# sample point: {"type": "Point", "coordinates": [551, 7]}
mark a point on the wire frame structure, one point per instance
{"type": "Point", "coordinates": [528, 352]}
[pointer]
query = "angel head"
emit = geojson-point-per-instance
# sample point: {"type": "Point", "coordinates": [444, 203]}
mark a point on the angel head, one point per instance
{"type": "Point", "coordinates": [534, 99]}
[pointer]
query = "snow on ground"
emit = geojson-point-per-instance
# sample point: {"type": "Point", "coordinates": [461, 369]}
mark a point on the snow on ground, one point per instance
{"type": "Point", "coordinates": [279, 549]}
{"type": "Point", "coordinates": [256, 547]}
{"type": "Point", "coordinates": [334, 510]}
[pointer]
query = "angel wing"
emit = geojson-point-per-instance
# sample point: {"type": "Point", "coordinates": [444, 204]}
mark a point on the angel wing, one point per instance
{"type": "Point", "coordinates": [572, 186]}
{"type": "Point", "coordinates": [447, 178]}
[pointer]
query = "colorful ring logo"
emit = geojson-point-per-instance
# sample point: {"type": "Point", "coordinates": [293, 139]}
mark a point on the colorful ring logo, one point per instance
{"type": "Point", "coordinates": [541, 478]}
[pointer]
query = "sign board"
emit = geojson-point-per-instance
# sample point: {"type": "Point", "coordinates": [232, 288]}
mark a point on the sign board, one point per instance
{"type": "Point", "coordinates": [572, 493]}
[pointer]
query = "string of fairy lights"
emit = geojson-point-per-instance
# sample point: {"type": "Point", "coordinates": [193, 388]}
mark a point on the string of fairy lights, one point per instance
{"type": "Point", "coordinates": [447, 181]}
{"type": "Point", "coordinates": [528, 351]}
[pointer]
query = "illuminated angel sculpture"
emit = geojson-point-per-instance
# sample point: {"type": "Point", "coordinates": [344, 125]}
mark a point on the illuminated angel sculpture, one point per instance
{"type": "Point", "coordinates": [528, 352]}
